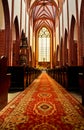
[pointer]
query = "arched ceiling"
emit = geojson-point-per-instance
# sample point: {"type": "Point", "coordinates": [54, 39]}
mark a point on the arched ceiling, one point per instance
{"type": "Point", "coordinates": [44, 12]}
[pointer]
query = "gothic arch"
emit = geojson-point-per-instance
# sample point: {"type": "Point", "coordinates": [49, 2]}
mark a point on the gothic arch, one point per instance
{"type": "Point", "coordinates": [16, 42]}
{"type": "Point", "coordinates": [30, 56]}
{"type": "Point", "coordinates": [16, 27]}
{"type": "Point", "coordinates": [61, 52]}
{"type": "Point", "coordinates": [7, 28]}
{"type": "Point", "coordinates": [72, 44]}
{"type": "Point", "coordinates": [36, 44]}
{"type": "Point", "coordinates": [49, 29]}
{"type": "Point", "coordinates": [57, 56]}
{"type": "Point", "coordinates": [65, 49]}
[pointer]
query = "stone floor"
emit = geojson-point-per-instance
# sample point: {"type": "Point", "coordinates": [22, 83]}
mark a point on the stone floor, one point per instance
{"type": "Point", "coordinates": [77, 96]}
{"type": "Point", "coordinates": [12, 95]}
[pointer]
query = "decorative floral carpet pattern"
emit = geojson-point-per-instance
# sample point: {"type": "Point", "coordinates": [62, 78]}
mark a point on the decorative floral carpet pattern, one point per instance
{"type": "Point", "coordinates": [44, 105]}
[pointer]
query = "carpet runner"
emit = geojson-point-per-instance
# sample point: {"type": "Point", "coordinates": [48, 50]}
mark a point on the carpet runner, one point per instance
{"type": "Point", "coordinates": [44, 105]}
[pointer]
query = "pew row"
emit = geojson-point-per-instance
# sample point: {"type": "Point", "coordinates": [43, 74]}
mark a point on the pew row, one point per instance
{"type": "Point", "coordinates": [70, 77]}
{"type": "Point", "coordinates": [21, 77]}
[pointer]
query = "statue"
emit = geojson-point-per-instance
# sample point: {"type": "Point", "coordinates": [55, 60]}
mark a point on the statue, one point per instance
{"type": "Point", "coordinates": [24, 39]}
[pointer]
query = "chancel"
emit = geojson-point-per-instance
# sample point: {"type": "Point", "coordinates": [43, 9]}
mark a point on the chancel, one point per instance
{"type": "Point", "coordinates": [41, 65]}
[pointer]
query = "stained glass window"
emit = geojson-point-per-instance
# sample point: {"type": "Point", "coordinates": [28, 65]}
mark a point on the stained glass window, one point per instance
{"type": "Point", "coordinates": [44, 45]}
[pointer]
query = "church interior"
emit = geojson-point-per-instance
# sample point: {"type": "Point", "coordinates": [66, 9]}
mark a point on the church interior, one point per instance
{"type": "Point", "coordinates": [42, 65]}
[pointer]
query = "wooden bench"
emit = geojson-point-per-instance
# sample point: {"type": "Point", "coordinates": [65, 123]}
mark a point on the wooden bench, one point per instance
{"type": "Point", "coordinates": [18, 78]}
{"type": "Point", "coordinates": [4, 82]}
{"type": "Point", "coordinates": [70, 77]}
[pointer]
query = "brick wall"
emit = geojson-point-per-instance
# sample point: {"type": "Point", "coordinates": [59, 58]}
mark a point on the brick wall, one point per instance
{"type": "Point", "coordinates": [2, 42]}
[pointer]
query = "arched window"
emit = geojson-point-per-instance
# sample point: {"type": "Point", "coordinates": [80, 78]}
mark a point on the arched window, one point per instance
{"type": "Point", "coordinates": [44, 45]}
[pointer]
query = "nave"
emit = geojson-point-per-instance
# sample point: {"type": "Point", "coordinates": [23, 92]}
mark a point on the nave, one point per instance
{"type": "Point", "coordinates": [43, 105]}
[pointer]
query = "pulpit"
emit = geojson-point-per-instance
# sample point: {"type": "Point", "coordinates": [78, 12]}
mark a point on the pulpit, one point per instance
{"type": "Point", "coordinates": [23, 53]}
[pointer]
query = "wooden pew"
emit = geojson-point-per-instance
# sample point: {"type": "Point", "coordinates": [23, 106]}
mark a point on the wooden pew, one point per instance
{"type": "Point", "coordinates": [70, 77]}
{"type": "Point", "coordinates": [32, 73]}
{"type": "Point", "coordinates": [4, 82]}
{"type": "Point", "coordinates": [18, 78]}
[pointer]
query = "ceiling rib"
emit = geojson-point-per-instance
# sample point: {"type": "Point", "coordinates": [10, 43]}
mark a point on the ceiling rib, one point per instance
{"type": "Point", "coordinates": [44, 12]}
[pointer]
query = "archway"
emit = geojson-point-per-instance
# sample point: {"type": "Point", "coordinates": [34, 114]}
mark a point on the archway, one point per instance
{"type": "Point", "coordinates": [7, 29]}
{"type": "Point", "coordinates": [82, 32]}
{"type": "Point", "coordinates": [61, 52]}
{"type": "Point", "coordinates": [16, 27]}
{"type": "Point", "coordinates": [2, 30]}
{"type": "Point", "coordinates": [73, 43]}
{"type": "Point", "coordinates": [16, 42]}
{"type": "Point", "coordinates": [57, 56]}
{"type": "Point", "coordinates": [30, 56]}
{"type": "Point", "coordinates": [65, 49]}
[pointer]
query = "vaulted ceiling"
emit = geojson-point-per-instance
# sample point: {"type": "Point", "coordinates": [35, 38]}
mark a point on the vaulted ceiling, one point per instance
{"type": "Point", "coordinates": [44, 12]}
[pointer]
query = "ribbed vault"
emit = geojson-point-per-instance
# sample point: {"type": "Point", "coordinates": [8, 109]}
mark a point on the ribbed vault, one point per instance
{"type": "Point", "coordinates": [44, 12]}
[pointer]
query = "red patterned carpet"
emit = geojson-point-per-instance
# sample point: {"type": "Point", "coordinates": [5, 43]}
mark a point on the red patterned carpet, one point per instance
{"type": "Point", "coordinates": [44, 105]}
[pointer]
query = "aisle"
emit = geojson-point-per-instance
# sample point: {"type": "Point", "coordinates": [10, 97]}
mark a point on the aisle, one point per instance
{"type": "Point", "coordinates": [44, 105]}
